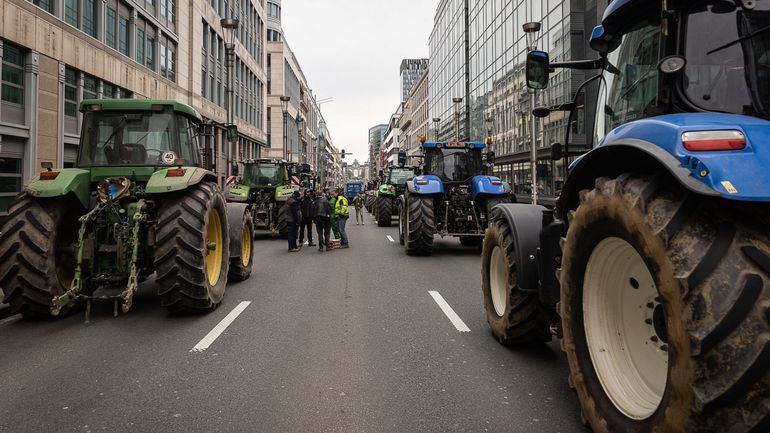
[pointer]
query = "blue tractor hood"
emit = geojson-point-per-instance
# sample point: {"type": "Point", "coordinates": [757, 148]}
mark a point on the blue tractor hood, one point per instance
{"type": "Point", "coordinates": [733, 174]}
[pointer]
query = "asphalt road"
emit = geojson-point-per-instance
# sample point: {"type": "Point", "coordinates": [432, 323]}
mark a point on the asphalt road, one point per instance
{"type": "Point", "coordinates": [345, 341]}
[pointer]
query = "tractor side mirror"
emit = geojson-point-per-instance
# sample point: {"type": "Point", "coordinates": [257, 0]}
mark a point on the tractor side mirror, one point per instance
{"type": "Point", "coordinates": [538, 69]}
{"type": "Point", "coordinates": [234, 170]}
{"type": "Point", "coordinates": [401, 158]}
{"type": "Point", "coordinates": [305, 168]}
{"type": "Point", "coordinates": [556, 152]}
{"type": "Point", "coordinates": [232, 133]}
{"type": "Point", "coordinates": [491, 158]}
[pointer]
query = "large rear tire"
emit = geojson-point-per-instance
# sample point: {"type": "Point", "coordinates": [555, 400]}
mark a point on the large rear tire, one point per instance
{"type": "Point", "coordinates": [384, 207]}
{"type": "Point", "coordinates": [281, 222]}
{"type": "Point", "coordinates": [420, 226]}
{"type": "Point", "coordinates": [37, 253]}
{"type": "Point", "coordinates": [192, 249]}
{"type": "Point", "coordinates": [664, 305]}
{"type": "Point", "coordinates": [514, 316]}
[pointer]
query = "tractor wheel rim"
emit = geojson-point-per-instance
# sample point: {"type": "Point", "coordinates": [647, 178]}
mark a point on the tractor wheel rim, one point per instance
{"type": "Point", "coordinates": [498, 281]}
{"type": "Point", "coordinates": [628, 349]}
{"type": "Point", "coordinates": [214, 255]}
{"type": "Point", "coordinates": [246, 245]}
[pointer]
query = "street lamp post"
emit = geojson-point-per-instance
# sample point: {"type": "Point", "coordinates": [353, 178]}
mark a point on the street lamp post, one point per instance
{"type": "Point", "coordinates": [285, 106]}
{"type": "Point", "coordinates": [436, 121]}
{"type": "Point", "coordinates": [531, 29]}
{"type": "Point", "coordinates": [457, 102]}
{"type": "Point", "coordinates": [229, 26]}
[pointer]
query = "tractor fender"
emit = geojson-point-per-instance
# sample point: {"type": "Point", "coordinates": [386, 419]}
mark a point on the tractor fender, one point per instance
{"type": "Point", "coordinates": [484, 185]}
{"type": "Point", "coordinates": [69, 180]}
{"type": "Point", "coordinates": [160, 183]}
{"type": "Point", "coordinates": [235, 212]}
{"type": "Point", "coordinates": [526, 222]}
{"type": "Point", "coordinates": [615, 158]}
{"type": "Point", "coordinates": [425, 185]}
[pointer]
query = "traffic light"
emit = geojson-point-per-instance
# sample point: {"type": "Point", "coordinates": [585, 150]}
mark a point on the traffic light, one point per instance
{"type": "Point", "coordinates": [343, 153]}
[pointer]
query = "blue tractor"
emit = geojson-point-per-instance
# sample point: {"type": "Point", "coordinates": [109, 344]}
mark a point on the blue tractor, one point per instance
{"type": "Point", "coordinates": [453, 196]}
{"type": "Point", "coordinates": [654, 266]}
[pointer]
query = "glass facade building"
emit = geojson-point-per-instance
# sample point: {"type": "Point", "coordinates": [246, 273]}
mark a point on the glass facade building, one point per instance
{"type": "Point", "coordinates": [483, 62]}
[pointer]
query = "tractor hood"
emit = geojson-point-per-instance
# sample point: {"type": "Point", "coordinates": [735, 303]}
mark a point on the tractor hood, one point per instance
{"type": "Point", "coordinates": [488, 185]}
{"type": "Point", "coordinates": [66, 181]}
{"type": "Point", "coordinates": [736, 174]}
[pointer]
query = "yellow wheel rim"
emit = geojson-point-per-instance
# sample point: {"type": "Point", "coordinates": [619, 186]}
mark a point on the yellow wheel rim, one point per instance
{"type": "Point", "coordinates": [214, 247]}
{"type": "Point", "coordinates": [246, 245]}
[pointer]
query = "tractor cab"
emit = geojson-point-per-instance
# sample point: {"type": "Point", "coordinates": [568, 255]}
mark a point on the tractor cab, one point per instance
{"type": "Point", "coordinates": [398, 177]}
{"type": "Point", "coordinates": [265, 173]}
{"type": "Point", "coordinates": [138, 133]}
{"type": "Point", "coordinates": [454, 161]}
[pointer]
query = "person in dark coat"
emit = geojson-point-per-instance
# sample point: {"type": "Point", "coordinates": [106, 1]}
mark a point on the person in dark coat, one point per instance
{"type": "Point", "coordinates": [293, 217]}
{"type": "Point", "coordinates": [322, 214]}
{"type": "Point", "coordinates": [308, 211]}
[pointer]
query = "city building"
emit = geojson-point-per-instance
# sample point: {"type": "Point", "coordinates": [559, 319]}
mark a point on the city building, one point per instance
{"type": "Point", "coordinates": [376, 137]}
{"type": "Point", "coordinates": [411, 71]}
{"type": "Point", "coordinates": [417, 112]}
{"type": "Point", "coordinates": [56, 53]}
{"type": "Point", "coordinates": [390, 143]}
{"type": "Point", "coordinates": [487, 71]}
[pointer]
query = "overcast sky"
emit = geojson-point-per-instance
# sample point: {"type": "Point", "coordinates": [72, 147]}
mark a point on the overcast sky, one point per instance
{"type": "Point", "coordinates": [351, 50]}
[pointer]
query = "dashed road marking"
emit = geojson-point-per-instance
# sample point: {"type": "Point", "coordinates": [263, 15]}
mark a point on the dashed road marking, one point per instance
{"type": "Point", "coordinates": [209, 339]}
{"type": "Point", "coordinates": [449, 312]}
{"type": "Point", "coordinates": [391, 239]}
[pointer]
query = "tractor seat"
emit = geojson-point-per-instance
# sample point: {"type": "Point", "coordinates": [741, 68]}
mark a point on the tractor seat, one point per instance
{"type": "Point", "coordinates": [133, 153]}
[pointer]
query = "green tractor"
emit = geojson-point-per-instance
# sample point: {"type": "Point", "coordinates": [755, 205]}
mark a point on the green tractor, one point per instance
{"type": "Point", "coordinates": [138, 203]}
{"type": "Point", "coordinates": [386, 204]}
{"type": "Point", "coordinates": [266, 187]}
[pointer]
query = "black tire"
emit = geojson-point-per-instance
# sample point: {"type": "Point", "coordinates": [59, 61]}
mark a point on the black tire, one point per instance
{"type": "Point", "coordinates": [182, 250]}
{"type": "Point", "coordinates": [281, 221]}
{"type": "Point", "coordinates": [420, 226]}
{"type": "Point", "coordinates": [240, 267]}
{"type": "Point", "coordinates": [30, 276]}
{"type": "Point", "coordinates": [524, 320]}
{"type": "Point", "coordinates": [401, 221]}
{"type": "Point", "coordinates": [710, 261]}
{"type": "Point", "coordinates": [384, 207]}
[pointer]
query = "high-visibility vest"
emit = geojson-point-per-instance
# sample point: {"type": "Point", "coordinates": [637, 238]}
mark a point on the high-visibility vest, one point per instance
{"type": "Point", "coordinates": [341, 207]}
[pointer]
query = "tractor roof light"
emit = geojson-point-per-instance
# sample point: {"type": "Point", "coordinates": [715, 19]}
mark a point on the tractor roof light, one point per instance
{"type": "Point", "coordinates": [489, 141]}
{"type": "Point", "coordinates": [707, 141]}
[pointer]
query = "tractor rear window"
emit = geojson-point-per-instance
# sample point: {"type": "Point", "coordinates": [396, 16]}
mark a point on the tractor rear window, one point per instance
{"type": "Point", "coordinates": [400, 176]}
{"type": "Point", "coordinates": [136, 139]}
{"type": "Point", "coordinates": [453, 165]}
{"type": "Point", "coordinates": [728, 58]}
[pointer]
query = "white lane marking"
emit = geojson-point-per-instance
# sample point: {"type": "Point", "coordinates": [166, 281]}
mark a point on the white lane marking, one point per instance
{"type": "Point", "coordinates": [220, 328]}
{"type": "Point", "coordinates": [391, 239]}
{"type": "Point", "coordinates": [449, 312]}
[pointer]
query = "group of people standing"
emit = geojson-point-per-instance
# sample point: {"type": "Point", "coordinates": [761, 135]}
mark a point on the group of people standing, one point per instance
{"type": "Point", "coordinates": [328, 210]}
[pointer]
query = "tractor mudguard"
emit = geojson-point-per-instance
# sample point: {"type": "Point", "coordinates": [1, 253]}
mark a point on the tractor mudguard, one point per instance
{"type": "Point", "coordinates": [235, 212]}
{"type": "Point", "coordinates": [283, 192]}
{"type": "Point", "coordinates": [69, 180]}
{"type": "Point", "coordinates": [731, 174]}
{"type": "Point", "coordinates": [160, 182]}
{"type": "Point", "coordinates": [526, 222]}
{"type": "Point", "coordinates": [385, 191]}
{"type": "Point", "coordinates": [488, 185]}
{"type": "Point", "coordinates": [238, 194]}
{"type": "Point", "coordinates": [425, 185]}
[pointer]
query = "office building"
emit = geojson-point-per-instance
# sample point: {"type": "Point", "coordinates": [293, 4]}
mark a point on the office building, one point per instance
{"type": "Point", "coordinates": [411, 71]}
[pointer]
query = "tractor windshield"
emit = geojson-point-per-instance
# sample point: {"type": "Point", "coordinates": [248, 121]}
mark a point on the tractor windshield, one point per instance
{"type": "Point", "coordinates": [400, 176]}
{"type": "Point", "coordinates": [728, 57]}
{"type": "Point", "coordinates": [453, 165]}
{"type": "Point", "coordinates": [263, 174]}
{"type": "Point", "coordinates": [136, 139]}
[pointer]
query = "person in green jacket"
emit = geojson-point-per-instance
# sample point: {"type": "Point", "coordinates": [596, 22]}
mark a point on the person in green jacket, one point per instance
{"type": "Point", "coordinates": [343, 213]}
{"type": "Point", "coordinates": [333, 221]}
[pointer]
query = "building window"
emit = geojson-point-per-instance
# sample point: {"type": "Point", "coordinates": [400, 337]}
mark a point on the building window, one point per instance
{"type": "Point", "coordinates": [10, 182]}
{"type": "Point", "coordinates": [167, 59]}
{"type": "Point", "coordinates": [46, 5]}
{"type": "Point", "coordinates": [71, 12]}
{"type": "Point", "coordinates": [150, 55]}
{"type": "Point", "coordinates": [168, 13]}
{"type": "Point", "coordinates": [140, 43]}
{"type": "Point", "coordinates": [89, 87]}
{"type": "Point", "coordinates": [111, 25]}
{"type": "Point", "coordinates": [123, 35]}
{"type": "Point", "coordinates": [12, 75]}
{"type": "Point", "coordinates": [109, 91]}
{"type": "Point", "coordinates": [89, 17]}
{"type": "Point", "coordinates": [70, 92]}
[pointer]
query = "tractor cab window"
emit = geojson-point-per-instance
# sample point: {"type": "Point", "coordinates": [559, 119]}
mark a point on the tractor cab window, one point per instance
{"type": "Point", "coordinates": [728, 57]}
{"type": "Point", "coordinates": [136, 139]}
{"type": "Point", "coordinates": [631, 94]}
{"type": "Point", "coordinates": [453, 165]}
{"type": "Point", "coordinates": [400, 176]}
{"type": "Point", "coordinates": [263, 174]}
